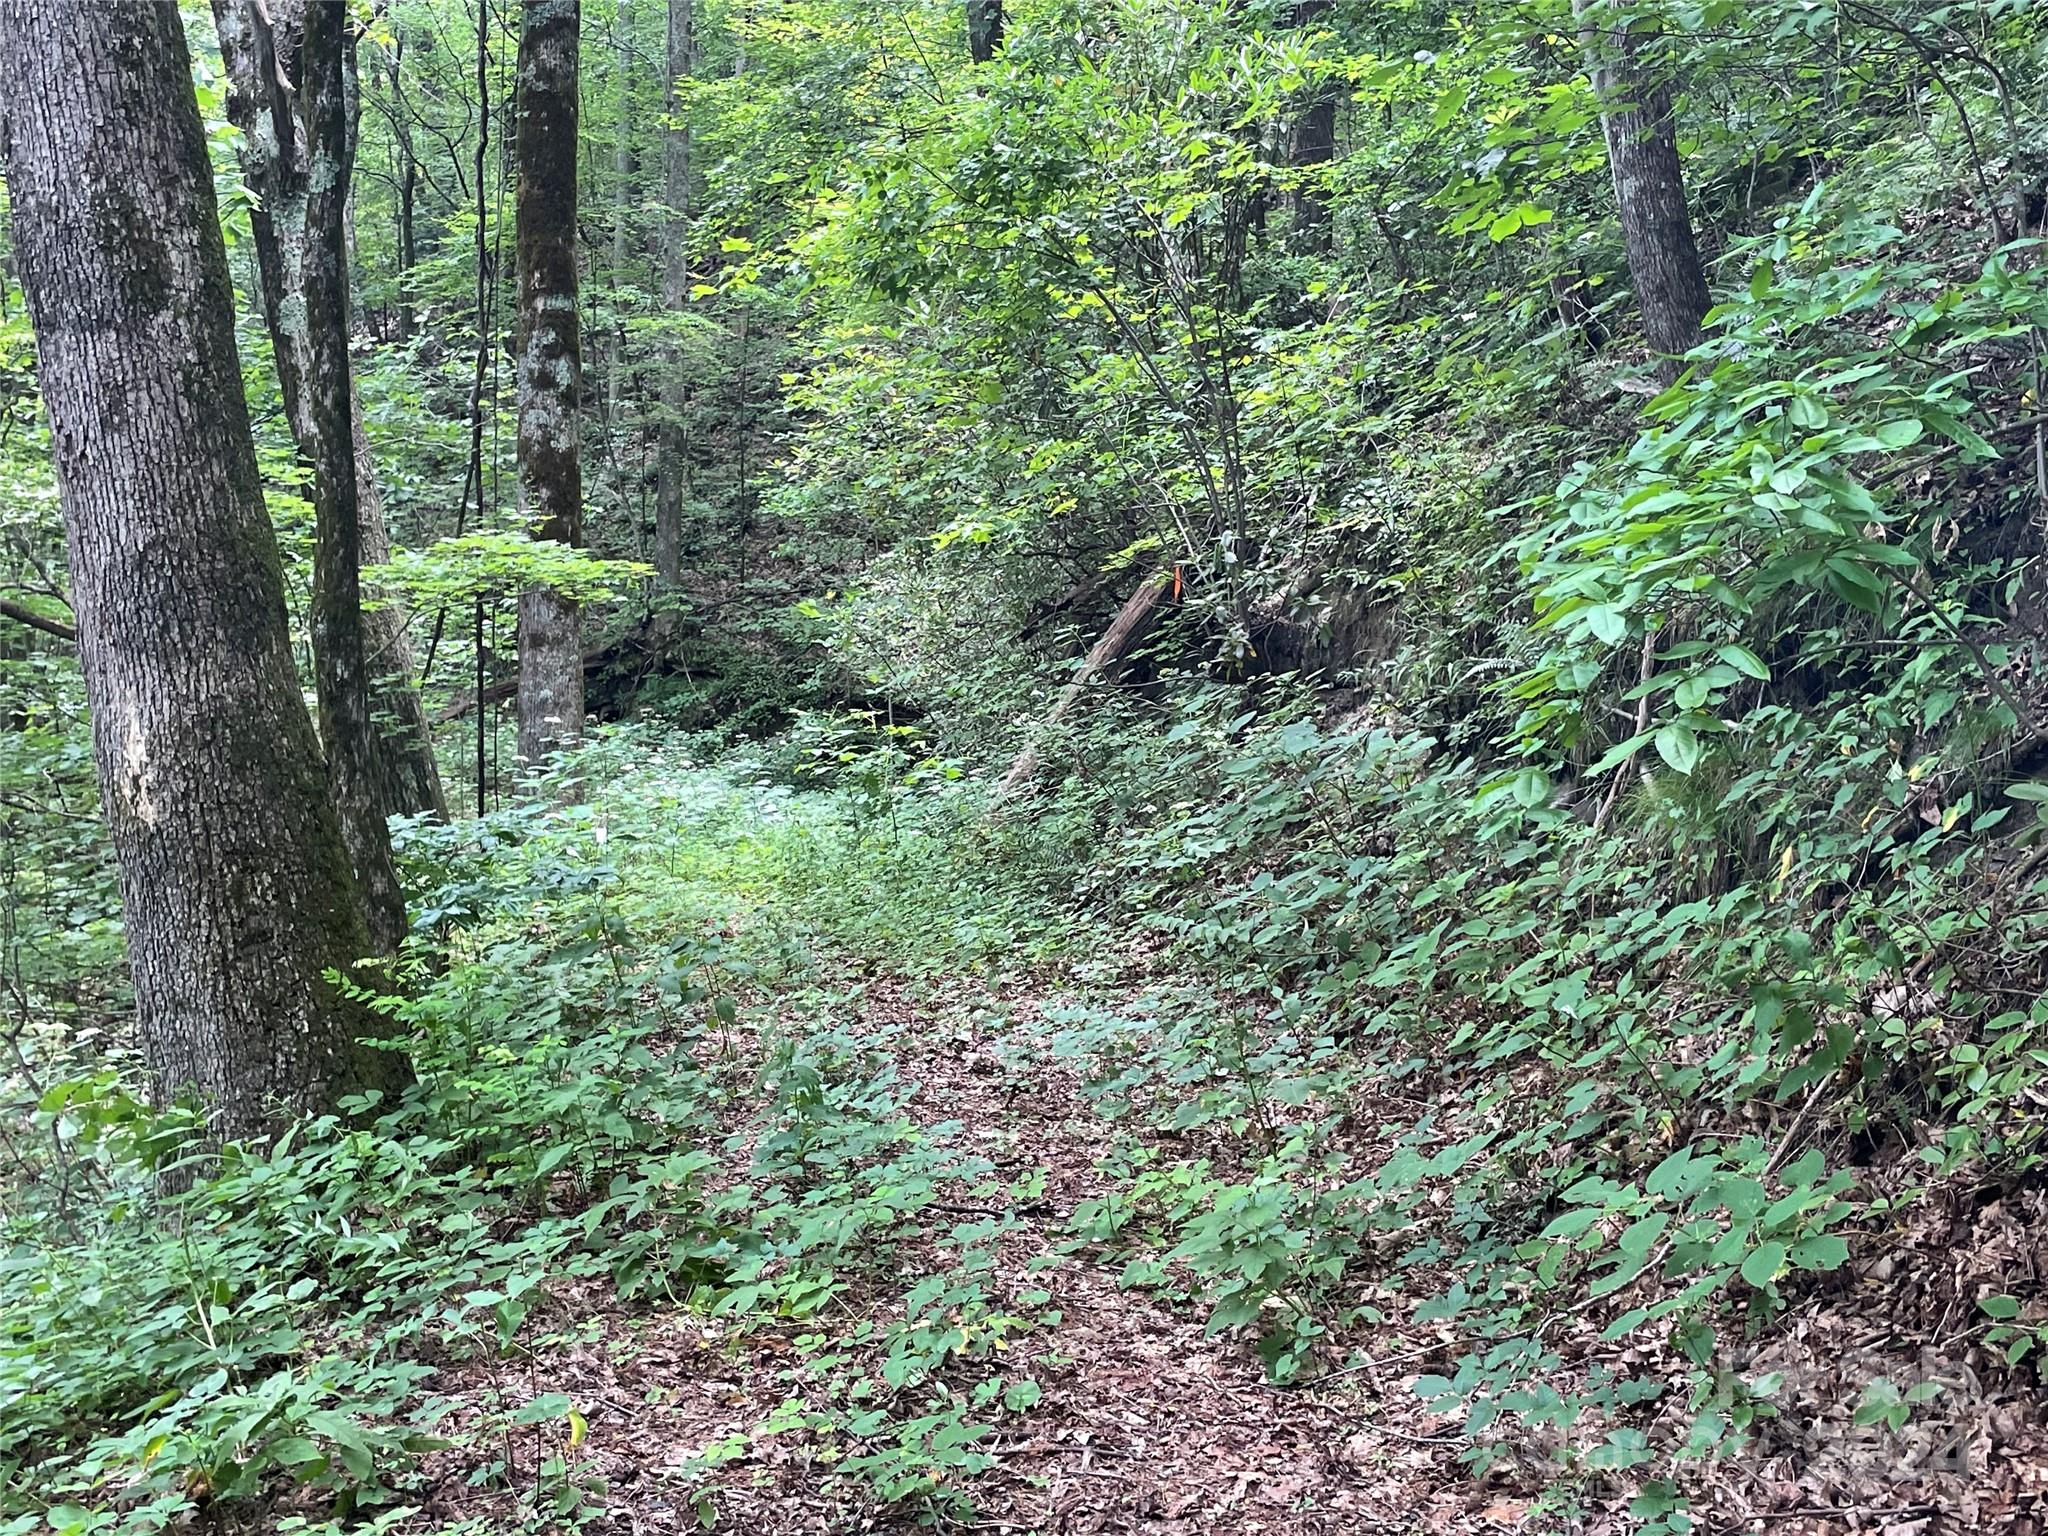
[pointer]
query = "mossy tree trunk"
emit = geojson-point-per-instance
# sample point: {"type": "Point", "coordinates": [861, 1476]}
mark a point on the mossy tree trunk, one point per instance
{"type": "Point", "coordinates": [288, 92]}
{"type": "Point", "coordinates": [236, 884]}
{"type": "Point", "coordinates": [550, 368]}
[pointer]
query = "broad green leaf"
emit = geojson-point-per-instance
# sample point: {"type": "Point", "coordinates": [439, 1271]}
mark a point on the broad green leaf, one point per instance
{"type": "Point", "coordinates": [1745, 661]}
{"type": "Point", "coordinates": [1607, 623]}
{"type": "Point", "coordinates": [1763, 1264]}
{"type": "Point", "coordinates": [1679, 746]}
{"type": "Point", "coordinates": [1823, 1251]}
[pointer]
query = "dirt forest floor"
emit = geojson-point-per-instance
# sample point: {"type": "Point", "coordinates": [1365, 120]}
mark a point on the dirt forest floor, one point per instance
{"type": "Point", "coordinates": [1147, 1426]}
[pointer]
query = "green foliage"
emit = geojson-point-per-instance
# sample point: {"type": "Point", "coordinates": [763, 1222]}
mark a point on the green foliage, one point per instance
{"type": "Point", "coordinates": [583, 1049]}
{"type": "Point", "coordinates": [1564, 871]}
{"type": "Point", "coordinates": [484, 565]}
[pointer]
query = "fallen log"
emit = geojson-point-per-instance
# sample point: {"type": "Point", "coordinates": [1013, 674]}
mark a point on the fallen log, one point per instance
{"type": "Point", "coordinates": [1128, 628]}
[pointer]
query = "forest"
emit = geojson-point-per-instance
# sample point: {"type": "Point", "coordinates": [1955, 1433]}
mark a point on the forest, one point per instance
{"type": "Point", "coordinates": [1124, 766]}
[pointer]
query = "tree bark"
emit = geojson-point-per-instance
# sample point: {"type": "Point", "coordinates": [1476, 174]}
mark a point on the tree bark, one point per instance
{"type": "Point", "coordinates": [984, 29]}
{"type": "Point", "coordinates": [622, 205]}
{"type": "Point", "coordinates": [550, 368]}
{"type": "Point", "coordinates": [288, 93]}
{"type": "Point", "coordinates": [672, 474]}
{"type": "Point", "coordinates": [1649, 182]}
{"type": "Point", "coordinates": [408, 778]}
{"type": "Point", "coordinates": [408, 189]}
{"type": "Point", "coordinates": [235, 882]}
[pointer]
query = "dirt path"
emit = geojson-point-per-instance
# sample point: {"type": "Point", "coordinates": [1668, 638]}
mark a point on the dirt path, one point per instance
{"type": "Point", "coordinates": [1143, 1424]}
{"type": "Point", "coordinates": [693, 1421]}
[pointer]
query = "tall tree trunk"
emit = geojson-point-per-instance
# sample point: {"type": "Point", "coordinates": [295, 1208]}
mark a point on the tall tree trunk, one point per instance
{"type": "Point", "coordinates": [672, 471]}
{"type": "Point", "coordinates": [408, 179]}
{"type": "Point", "coordinates": [622, 204]}
{"type": "Point", "coordinates": [408, 779]}
{"type": "Point", "coordinates": [984, 29]}
{"type": "Point", "coordinates": [235, 882]}
{"type": "Point", "coordinates": [1312, 144]}
{"type": "Point", "coordinates": [550, 367]}
{"type": "Point", "coordinates": [288, 93]}
{"type": "Point", "coordinates": [1649, 182]}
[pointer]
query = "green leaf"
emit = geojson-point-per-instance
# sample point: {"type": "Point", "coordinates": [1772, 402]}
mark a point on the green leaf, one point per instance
{"type": "Point", "coordinates": [549, 1405]}
{"type": "Point", "coordinates": [1607, 623]}
{"type": "Point", "coordinates": [294, 1451]}
{"type": "Point", "coordinates": [1678, 746]}
{"type": "Point", "coordinates": [1742, 1197]}
{"type": "Point", "coordinates": [1901, 433]}
{"type": "Point", "coordinates": [1745, 661]}
{"type": "Point", "coordinates": [1822, 1252]}
{"type": "Point", "coordinates": [1763, 1264]}
{"type": "Point", "coordinates": [1572, 1223]}
{"type": "Point", "coordinates": [1643, 1233]}
{"type": "Point", "coordinates": [1693, 691]}
{"type": "Point", "coordinates": [1620, 752]}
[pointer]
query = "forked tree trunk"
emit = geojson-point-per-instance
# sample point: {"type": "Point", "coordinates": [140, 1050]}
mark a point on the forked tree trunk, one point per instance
{"type": "Point", "coordinates": [550, 368]}
{"type": "Point", "coordinates": [288, 93]}
{"type": "Point", "coordinates": [1649, 182]}
{"type": "Point", "coordinates": [673, 469]}
{"type": "Point", "coordinates": [235, 882]}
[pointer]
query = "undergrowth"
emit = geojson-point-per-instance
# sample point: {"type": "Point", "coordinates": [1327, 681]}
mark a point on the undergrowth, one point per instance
{"type": "Point", "coordinates": [628, 1078]}
{"type": "Point", "coordinates": [1379, 1042]}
